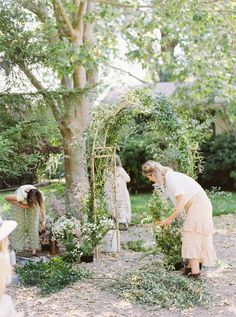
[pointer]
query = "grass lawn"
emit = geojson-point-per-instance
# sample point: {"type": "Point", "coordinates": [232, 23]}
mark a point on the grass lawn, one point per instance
{"type": "Point", "coordinates": [223, 202]}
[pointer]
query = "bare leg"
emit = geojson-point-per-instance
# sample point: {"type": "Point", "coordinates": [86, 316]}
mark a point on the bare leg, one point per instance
{"type": "Point", "coordinates": [194, 264]}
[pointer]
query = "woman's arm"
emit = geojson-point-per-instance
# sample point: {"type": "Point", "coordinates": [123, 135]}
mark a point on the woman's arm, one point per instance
{"type": "Point", "coordinates": [5, 272]}
{"type": "Point", "coordinates": [43, 213]}
{"type": "Point", "coordinates": [125, 175]}
{"type": "Point", "coordinates": [2, 283]}
{"type": "Point", "coordinates": [13, 200]}
{"type": "Point", "coordinates": [180, 203]}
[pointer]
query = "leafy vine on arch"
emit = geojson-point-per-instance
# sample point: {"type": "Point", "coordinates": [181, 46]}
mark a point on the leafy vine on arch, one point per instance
{"type": "Point", "coordinates": [175, 138]}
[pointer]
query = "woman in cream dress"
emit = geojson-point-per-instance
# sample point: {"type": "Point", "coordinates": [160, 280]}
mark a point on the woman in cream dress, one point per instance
{"type": "Point", "coordinates": [186, 194]}
{"type": "Point", "coordinates": [117, 195]}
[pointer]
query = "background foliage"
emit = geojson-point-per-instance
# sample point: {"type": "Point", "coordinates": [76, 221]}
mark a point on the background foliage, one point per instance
{"type": "Point", "coordinates": [142, 127]}
{"type": "Point", "coordinates": [188, 42]}
{"type": "Point", "coordinates": [220, 162]}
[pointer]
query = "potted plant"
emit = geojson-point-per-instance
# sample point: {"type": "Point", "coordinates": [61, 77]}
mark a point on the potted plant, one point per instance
{"type": "Point", "coordinates": [86, 252]}
{"type": "Point", "coordinates": [56, 208]}
{"type": "Point", "coordinates": [66, 231]}
{"type": "Point", "coordinates": [91, 235]}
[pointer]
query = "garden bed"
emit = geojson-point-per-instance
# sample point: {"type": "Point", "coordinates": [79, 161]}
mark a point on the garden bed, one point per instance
{"type": "Point", "coordinates": [93, 298]}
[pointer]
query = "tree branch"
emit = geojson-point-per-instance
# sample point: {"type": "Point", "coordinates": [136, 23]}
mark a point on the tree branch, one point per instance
{"type": "Point", "coordinates": [80, 14]}
{"type": "Point", "coordinates": [65, 17]}
{"type": "Point", "coordinates": [211, 1]}
{"type": "Point", "coordinates": [66, 81]}
{"type": "Point", "coordinates": [89, 41]}
{"type": "Point", "coordinates": [38, 85]}
{"type": "Point", "coordinates": [229, 11]}
{"type": "Point", "coordinates": [39, 9]}
{"type": "Point", "coordinates": [79, 74]}
{"type": "Point", "coordinates": [127, 72]}
{"type": "Point", "coordinates": [125, 5]}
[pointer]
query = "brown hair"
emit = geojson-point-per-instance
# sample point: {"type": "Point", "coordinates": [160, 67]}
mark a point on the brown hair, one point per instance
{"type": "Point", "coordinates": [34, 197]}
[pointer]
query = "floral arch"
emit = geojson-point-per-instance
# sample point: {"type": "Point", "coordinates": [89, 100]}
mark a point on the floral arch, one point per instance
{"type": "Point", "coordinates": [175, 138]}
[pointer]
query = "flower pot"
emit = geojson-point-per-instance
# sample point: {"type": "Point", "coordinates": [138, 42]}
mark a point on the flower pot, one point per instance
{"type": "Point", "coordinates": [45, 247]}
{"type": "Point", "coordinates": [86, 258]}
{"type": "Point", "coordinates": [54, 249]}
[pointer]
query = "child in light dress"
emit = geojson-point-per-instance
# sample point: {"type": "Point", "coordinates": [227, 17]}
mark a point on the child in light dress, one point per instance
{"type": "Point", "coordinates": [117, 195]}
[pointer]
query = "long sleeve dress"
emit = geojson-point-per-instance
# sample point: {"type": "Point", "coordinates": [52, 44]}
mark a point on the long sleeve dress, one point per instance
{"type": "Point", "coordinates": [117, 195]}
{"type": "Point", "coordinates": [198, 228]}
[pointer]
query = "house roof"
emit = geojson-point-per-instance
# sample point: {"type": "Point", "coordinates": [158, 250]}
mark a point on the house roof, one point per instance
{"type": "Point", "coordinates": [167, 88]}
{"type": "Point", "coordinates": [117, 92]}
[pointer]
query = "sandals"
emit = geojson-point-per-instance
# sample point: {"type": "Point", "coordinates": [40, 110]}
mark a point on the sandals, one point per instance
{"type": "Point", "coordinates": [194, 276]}
{"type": "Point", "coordinates": [123, 226]}
{"type": "Point", "coordinates": [188, 272]}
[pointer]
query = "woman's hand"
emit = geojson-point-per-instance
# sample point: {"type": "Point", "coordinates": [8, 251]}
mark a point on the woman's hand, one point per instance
{"type": "Point", "coordinates": [21, 205]}
{"type": "Point", "coordinates": [43, 225]}
{"type": "Point", "coordinates": [165, 222]}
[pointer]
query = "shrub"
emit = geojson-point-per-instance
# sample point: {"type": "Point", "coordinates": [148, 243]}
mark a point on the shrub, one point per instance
{"type": "Point", "coordinates": [25, 148]}
{"type": "Point", "coordinates": [168, 239]}
{"type": "Point", "coordinates": [133, 154]}
{"type": "Point", "coordinates": [66, 231]}
{"type": "Point", "coordinates": [51, 276]}
{"type": "Point", "coordinates": [135, 245]}
{"type": "Point", "coordinates": [220, 162]}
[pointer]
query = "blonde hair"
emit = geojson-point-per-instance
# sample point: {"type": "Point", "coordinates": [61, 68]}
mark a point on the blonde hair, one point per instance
{"type": "Point", "coordinates": [155, 168]}
{"type": "Point", "coordinates": [5, 265]}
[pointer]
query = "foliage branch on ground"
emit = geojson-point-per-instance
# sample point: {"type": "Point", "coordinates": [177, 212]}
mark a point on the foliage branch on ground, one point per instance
{"type": "Point", "coordinates": [154, 285]}
{"type": "Point", "coordinates": [51, 276]}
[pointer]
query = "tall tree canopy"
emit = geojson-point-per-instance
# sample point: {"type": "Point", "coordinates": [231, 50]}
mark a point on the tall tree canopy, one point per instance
{"type": "Point", "coordinates": [58, 46]}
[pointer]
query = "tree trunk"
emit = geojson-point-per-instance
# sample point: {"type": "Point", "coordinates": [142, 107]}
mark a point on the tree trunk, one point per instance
{"type": "Point", "coordinates": [74, 145]}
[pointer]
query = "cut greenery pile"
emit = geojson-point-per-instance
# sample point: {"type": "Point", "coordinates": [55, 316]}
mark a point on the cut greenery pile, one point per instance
{"type": "Point", "coordinates": [164, 288]}
{"type": "Point", "coordinates": [51, 276]}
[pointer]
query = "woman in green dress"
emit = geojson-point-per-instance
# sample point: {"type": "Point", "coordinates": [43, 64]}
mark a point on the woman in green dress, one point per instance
{"type": "Point", "coordinates": [28, 202]}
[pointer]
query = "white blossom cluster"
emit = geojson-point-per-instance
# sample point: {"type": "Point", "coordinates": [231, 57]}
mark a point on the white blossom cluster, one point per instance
{"type": "Point", "coordinates": [75, 252]}
{"type": "Point", "coordinates": [70, 233]}
{"type": "Point", "coordinates": [65, 227]}
{"type": "Point", "coordinates": [96, 231]}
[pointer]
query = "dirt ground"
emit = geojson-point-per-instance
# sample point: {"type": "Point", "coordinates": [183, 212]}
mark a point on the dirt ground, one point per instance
{"type": "Point", "coordinates": [92, 298]}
